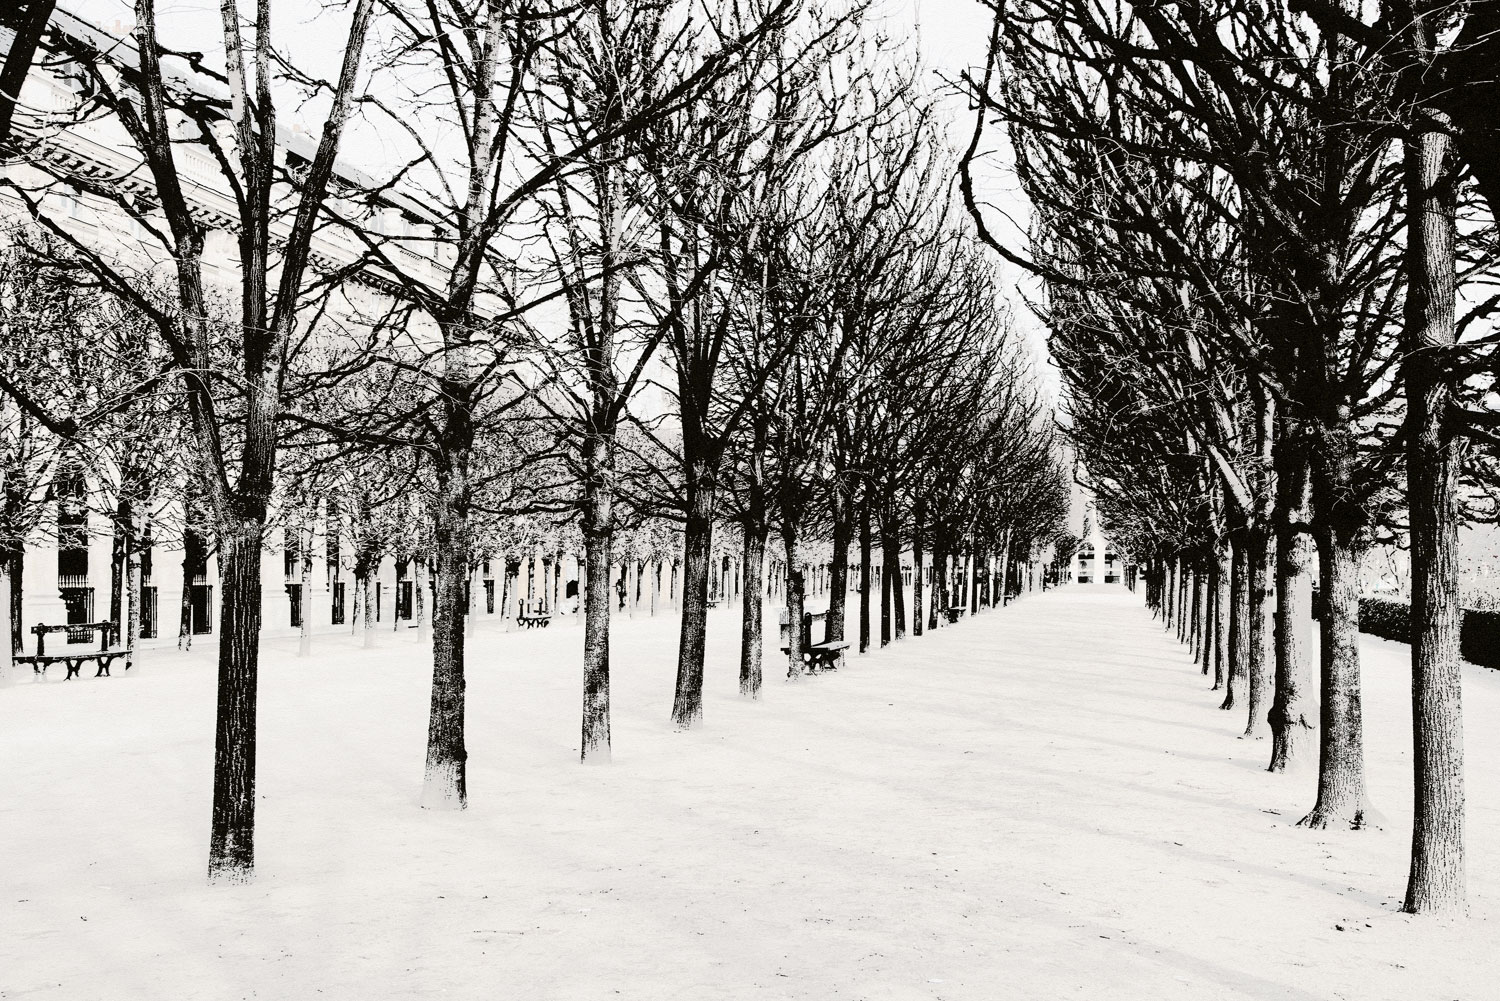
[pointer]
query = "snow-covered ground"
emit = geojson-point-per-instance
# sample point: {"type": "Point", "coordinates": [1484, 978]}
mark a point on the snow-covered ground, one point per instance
{"type": "Point", "coordinates": [1041, 802]}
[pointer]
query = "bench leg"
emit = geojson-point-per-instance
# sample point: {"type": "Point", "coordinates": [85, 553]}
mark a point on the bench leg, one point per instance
{"type": "Point", "coordinates": [103, 671]}
{"type": "Point", "coordinates": [74, 666]}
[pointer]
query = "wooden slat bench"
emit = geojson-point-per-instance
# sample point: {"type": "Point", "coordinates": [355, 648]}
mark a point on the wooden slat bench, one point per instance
{"type": "Point", "coordinates": [817, 656]}
{"type": "Point", "coordinates": [104, 657]}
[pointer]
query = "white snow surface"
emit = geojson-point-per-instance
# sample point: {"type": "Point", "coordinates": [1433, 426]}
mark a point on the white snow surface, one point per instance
{"type": "Point", "coordinates": [1040, 802]}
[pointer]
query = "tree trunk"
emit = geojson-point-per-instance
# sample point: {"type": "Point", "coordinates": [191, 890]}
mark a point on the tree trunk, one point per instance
{"type": "Point", "coordinates": [687, 706]}
{"type": "Point", "coordinates": [942, 588]}
{"type": "Point", "coordinates": [357, 608]}
{"type": "Point", "coordinates": [887, 598]}
{"type": "Point", "coordinates": [595, 740]}
{"type": "Point", "coordinates": [898, 587]}
{"type": "Point", "coordinates": [917, 595]}
{"type": "Point", "coordinates": [1180, 610]}
{"type": "Point", "coordinates": [1262, 610]}
{"type": "Point", "coordinates": [372, 606]}
{"type": "Point", "coordinates": [445, 784]}
{"type": "Point", "coordinates": [471, 594]}
{"type": "Point", "coordinates": [939, 583]}
{"type": "Point", "coordinates": [1210, 595]}
{"type": "Point", "coordinates": [1239, 618]}
{"type": "Point", "coordinates": [838, 595]}
{"type": "Point", "coordinates": [7, 663]}
{"type": "Point", "coordinates": [794, 597]}
{"type": "Point", "coordinates": [1436, 881]}
{"type": "Point", "coordinates": [419, 597]}
{"type": "Point", "coordinates": [15, 572]}
{"type": "Point", "coordinates": [751, 612]}
{"type": "Point", "coordinates": [1223, 609]}
{"type": "Point", "coordinates": [304, 594]}
{"type": "Point", "coordinates": [1293, 716]}
{"type": "Point", "coordinates": [1195, 627]}
{"type": "Point", "coordinates": [1343, 799]}
{"type": "Point", "coordinates": [132, 634]}
{"type": "Point", "coordinates": [754, 533]}
{"type": "Point", "coordinates": [118, 553]}
{"type": "Point", "coordinates": [231, 851]}
{"type": "Point", "coordinates": [1170, 588]}
{"type": "Point", "coordinates": [1005, 567]}
{"type": "Point", "coordinates": [866, 553]}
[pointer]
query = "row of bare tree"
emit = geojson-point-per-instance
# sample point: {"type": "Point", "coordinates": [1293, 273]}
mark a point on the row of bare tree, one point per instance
{"type": "Point", "coordinates": [1262, 230]}
{"type": "Point", "coordinates": [621, 260]}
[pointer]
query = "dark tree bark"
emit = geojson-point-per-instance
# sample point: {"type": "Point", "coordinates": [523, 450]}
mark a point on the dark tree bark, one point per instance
{"type": "Point", "coordinates": [28, 21]}
{"type": "Point", "coordinates": [1169, 594]}
{"type": "Point", "coordinates": [917, 608]}
{"type": "Point", "coordinates": [1223, 609]}
{"type": "Point", "coordinates": [119, 551]}
{"type": "Point", "coordinates": [1239, 618]}
{"type": "Point", "coordinates": [887, 579]}
{"type": "Point", "coordinates": [939, 583]}
{"type": "Point", "coordinates": [598, 539]}
{"type": "Point", "coordinates": [1293, 715]}
{"type": "Point", "coordinates": [687, 706]}
{"type": "Point", "coordinates": [445, 783]}
{"type": "Point", "coordinates": [794, 597]}
{"type": "Point", "coordinates": [752, 612]}
{"type": "Point", "coordinates": [1434, 456]}
{"type": "Point", "coordinates": [866, 553]}
{"type": "Point", "coordinates": [232, 846]}
{"type": "Point", "coordinates": [890, 551]}
{"type": "Point", "coordinates": [14, 555]}
{"type": "Point", "coordinates": [838, 581]}
{"type": "Point", "coordinates": [1343, 800]}
{"type": "Point", "coordinates": [1210, 596]}
{"type": "Point", "coordinates": [971, 581]}
{"type": "Point", "coordinates": [1195, 627]}
{"type": "Point", "coordinates": [1261, 557]}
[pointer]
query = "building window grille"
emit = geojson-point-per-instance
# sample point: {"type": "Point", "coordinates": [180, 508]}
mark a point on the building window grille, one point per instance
{"type": "Point", "coordinates": [148, 612]}
{"type": "Point", "coordinates": [201, 609]}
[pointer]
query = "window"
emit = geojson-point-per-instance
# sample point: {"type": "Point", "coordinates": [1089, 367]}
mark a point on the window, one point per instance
{"type": "Point", "coordinates": [294, 595]}
{"type": "Point", "coordinates": [201, 609]}
{"type": "Point", "coordinates": [291, 555]}
{"type": "Point", "coordinates": [148, 612]}
{"type": "Point", "coordinates": [338, 603]}
{"type": "Point", "coordinates": [72, 531]}
{"type": "Point", "coordinates": [79, 602]}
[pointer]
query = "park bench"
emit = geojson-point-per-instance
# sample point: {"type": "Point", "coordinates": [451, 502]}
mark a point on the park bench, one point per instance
{"type": "Point", "coordinates": [818, 656]}
{"type": "Point", "coordinates": [954, 612]}
{"type": "Point", "coordinates": [533, 615]}
{"type": "Point", "coordinates": [75, 660]}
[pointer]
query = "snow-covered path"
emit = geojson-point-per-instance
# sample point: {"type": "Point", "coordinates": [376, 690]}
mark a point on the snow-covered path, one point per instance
{"type": "Point", "coordinates": [1042, 802]}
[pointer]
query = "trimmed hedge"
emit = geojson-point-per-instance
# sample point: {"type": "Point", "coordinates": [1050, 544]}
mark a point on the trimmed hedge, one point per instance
{"type": "Point", "coordinates": [1479, 639]}
{"type": "Point", "coordinates": [1390, 620]}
